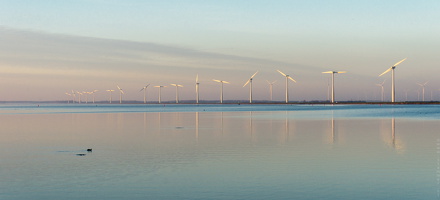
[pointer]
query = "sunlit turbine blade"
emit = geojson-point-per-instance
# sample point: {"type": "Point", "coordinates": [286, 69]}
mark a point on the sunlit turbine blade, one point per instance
{"type": "Point", "coordinates": [254, 74]}
{"type": "Point", "coordinates": [247, 82]}
{"type": "Point", "coordinates": [281, 73]}
{"type": "Point", "coordinates": [217, 80]}
{"type": "Point", "coordinates": [386, 71]}
{"type": "Point", "coordinates": [118, 87]}
{"type": "Point", "coordinates": [341, 72]}
{"type": "Point", "coordinates": [328, 72]}
{"type": "Point", "coordinates": [291, 79]}
{"type": "Point", "coordinates": [399, 62]}
{"type": "Point", "coordinates": [197, 78]}
{"type": "Point", "coordinates": [173, 84]}
{"type": "Point", "coordinates": [226, 82]}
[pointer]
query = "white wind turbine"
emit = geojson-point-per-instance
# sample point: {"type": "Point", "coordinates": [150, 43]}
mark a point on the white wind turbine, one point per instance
{"type": "Point", "coordinates": [79, 96]}
{"type": "Point", "coordinates": [249, 81]}
{"type": "Point", "coordinates": [287, 84]}
{"type": "Point", "coordinates": [221, 90]}
{"type": "Point", "coordinates": [271, 88]}
{"type": "Point", "coordinates": [333, 81]}
{"type": "Point", "coordinates": [393, 93]}
{"type": "Point", "coordinates": [145, 92]}
{"type": "Point", "coordinates": [87, 97]}
{"type": "Point", "coordinates": [423, 89]}
{"type": "Point", "coordinates": [381, 85]}
{"type": "Point", "coordinates": [93, 93]}
{"type": "Point", "coordinates": [110, 94]}
{"type": "Point", "coordinates": [177, 91]}
{"type": "Point", "coordinates": [68, 94]}
{"type": "Point", "coordinates": [197, 88]}
{"type": "Point", "coordinates": [160, 91]}
{"type": "Point", "coordinates": [120, 94]}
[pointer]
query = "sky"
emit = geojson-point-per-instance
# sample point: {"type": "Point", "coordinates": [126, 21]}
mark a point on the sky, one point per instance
{"type": "Point", "coordinates": [49, 48]}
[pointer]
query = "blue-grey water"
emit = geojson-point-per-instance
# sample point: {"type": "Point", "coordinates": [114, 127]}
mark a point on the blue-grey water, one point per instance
{"type": "Point", "coordinates": [219, 151]}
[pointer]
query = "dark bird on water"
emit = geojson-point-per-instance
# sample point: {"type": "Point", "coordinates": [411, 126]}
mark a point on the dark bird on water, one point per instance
{"type": "Point", "coordinates": [89, 150]}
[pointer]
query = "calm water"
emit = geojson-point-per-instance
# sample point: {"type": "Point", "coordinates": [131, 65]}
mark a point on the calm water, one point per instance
{"type": "Point", "coordinates": [219, 152]}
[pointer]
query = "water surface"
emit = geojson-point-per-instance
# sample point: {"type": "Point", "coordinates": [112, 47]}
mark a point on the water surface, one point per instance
{"type": "Point", "coordinates": [299, 153]}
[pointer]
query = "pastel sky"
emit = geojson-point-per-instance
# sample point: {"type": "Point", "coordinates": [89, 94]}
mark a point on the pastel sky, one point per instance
{"type": "Point", "coordinates": [48, 48]}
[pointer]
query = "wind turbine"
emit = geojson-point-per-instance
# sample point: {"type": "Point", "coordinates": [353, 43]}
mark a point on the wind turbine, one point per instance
{"type": "Point", "coordinates": [287, 84]}
{"type": "Point", "coordinates": [249, 81]}
{"type": "Point", "coordinates": [177, 91]}
{"type": "Point", "coordinates": [145, 92]}
{"type": "Point", "coordinates": [197, 88]}
{"type": "Point", "coordinates": [79, 96]}
{"type": "Point", "coordinates": [270, 88]}
{"type": "Point", "coordinates": [333, 81]}
{"type": "Point", "coordinates": [120, 94]}
{"type": "Point", "coordinates": [423, 89]}
{"type": "Point", "coordinates": [393, 93]}
{"type": "Point", "coordinates": [160, 91]}
{"type": "Point", "coordinates": [73, 96]}
{"type": "Point", "coordinates": [68, 94]}
{"type": "Point", "coordinates": [221, 90]}
{"type": "Point", "coordinates": [110, 94]}
{"type": "Point", "coordinates": [93, 93]}
{"type": "Point", "coordinates": [87, 97]}
{"type": "Point", "coordinates": [381, 85]}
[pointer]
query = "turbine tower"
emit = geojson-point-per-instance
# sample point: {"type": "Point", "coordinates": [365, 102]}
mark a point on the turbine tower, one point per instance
{"type": "Point", "coordinates": [160, 91]}
{"type": "Point", "coordinates": [249, 81]}
{"type": "Point", "coordinates": [271, 88]}
{"type": "Point", "coordinates": [221, 90]}
{"type": "Point", "coordinates": [423, 89]}
{"type": "Point", "coordinates": [177, 91]}
{"type": "Point", "coordinates": [381, 85]}
{"type": "Point", "coordinates": [110, 95]}
{"type": "Point", "coordinates": [120, 94]}
{"type": "Point", "coordinates": [393, 93]}
{"type": "Point", "coordinates": [197, 88]}
{"type": "Point", "coordinates": [333, 81]}
{"type": "Point", "coordinates": [145, 92]}
{"type": "Point", "coordinates": [287, 84]}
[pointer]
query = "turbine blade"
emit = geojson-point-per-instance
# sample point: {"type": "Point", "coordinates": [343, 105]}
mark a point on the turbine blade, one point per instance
{"type": "Point", "coordinates": [281, 73]}
{"type": "Point", "coordinates": [226, 82]}
{"type": "Point", "coordinates": [386, 71]}
{"type": "Point", "coordinates": [142, 89]}
{"type": "Point", "coordinates": [118, 87]}
{"type": "Point", "coordinates": [399, 62]}
{"type": "Point", "coordinates": [328, 72]}
{"type": "Point", "coordinates": [197, 78]}
{"type": "Point", "coordinates": [341, 72]}
{"type": "Point", "coordinates": [254, 74]}
{"type": "Point", "coordinates": [216, 80]}
{"type": "Point", "coordinates": [274, 81]}
{"type": "Point", "coordinates": [291, 79]}
{"type": "Point", "coordinates": [247, 82]}
{"type": "Point", "coordinates": [268, 82]}
{"type": "Point", "coordinates": [173, 84]}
